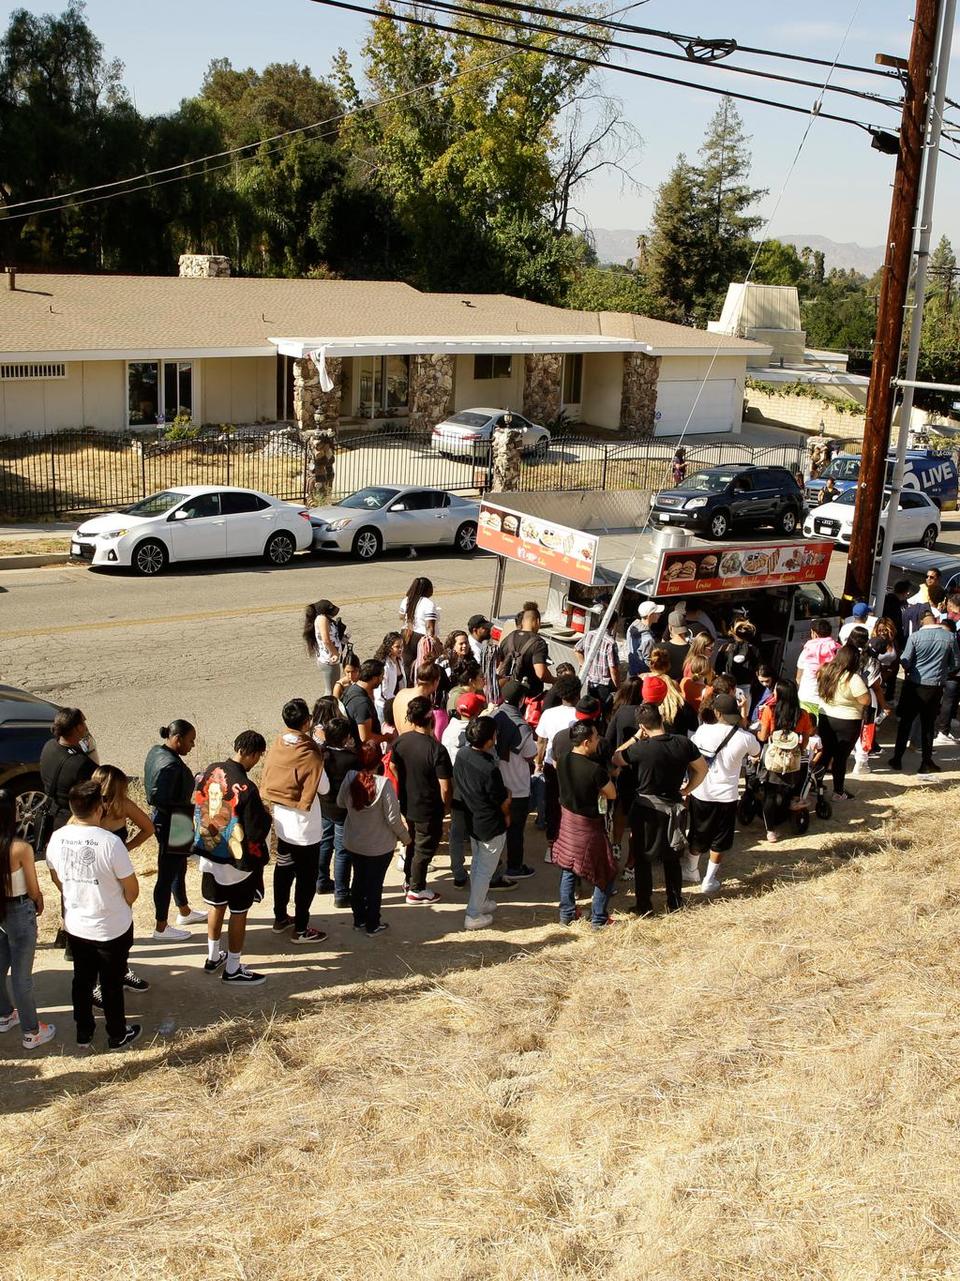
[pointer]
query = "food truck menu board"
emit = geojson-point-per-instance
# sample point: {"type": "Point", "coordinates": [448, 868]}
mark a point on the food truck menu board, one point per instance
{"type": "Point", "coordinates": [730, 569]}
{"type": "Point", "coordinates": [533, 541]}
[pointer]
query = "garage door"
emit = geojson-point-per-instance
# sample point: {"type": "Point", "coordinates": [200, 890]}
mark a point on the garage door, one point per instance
{"type": "Point", "coordinates": [718, 408]}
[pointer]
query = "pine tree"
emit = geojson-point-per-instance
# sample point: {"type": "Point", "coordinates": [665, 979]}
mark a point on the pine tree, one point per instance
{"type": "Point", "coordinates": [941, 270]}
{"type": "Point", "coordinates": [674, 246]}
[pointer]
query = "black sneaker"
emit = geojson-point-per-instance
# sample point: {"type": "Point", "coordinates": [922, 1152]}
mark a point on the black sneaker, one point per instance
{"type": "Point", "coordinates": [930, 767]}
{"type": "Point", "coordinates": [462, 883]}
{"type": "Point", "coordinates": [325, 887]}
{"type": "Point", "coordinates": [97, 997]}
{"type": "Point", "coordinates": [503, 883]}
{"type": "Point", "coordinates": [341, 902]}
{"type": "Point", "coordinates": [243, 975]}
{"type": "Point", "coordinates": [128, 1038]}
{"type": "Point", "coordinates": [135, 983]}
{"type": "Point", "coordinates": [520, 873]}
{"type": "Point", "coordinates": [281, 923]}
{"type": "Point", "coordinates": [211, 967]}
{"type": "Point", "coordinates": [378, 929]}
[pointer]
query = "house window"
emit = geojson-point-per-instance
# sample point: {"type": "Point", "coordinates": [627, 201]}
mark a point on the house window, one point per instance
{"type": "Point", "coordinates": [491, 366]}
{"type": "Point", "coordinates": [384, 385]}
{"type": "Point", "coordinates": [157, 391]}
{"type": "Point", "coordinates": [572, 378]}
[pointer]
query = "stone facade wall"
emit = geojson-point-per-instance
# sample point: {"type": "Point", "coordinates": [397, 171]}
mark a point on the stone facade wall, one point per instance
{"type": "Point", "coordinates": [638, 399]}
{"type": "Point", "coordinates": [207, 266]}
{"type": "Point", "coordinates": [431, 390]}
{"type": "Point", "coordinates": [313, 407]}
{"type": "Point", "coordinates": [542, 386]}
{"type": "Point", "coordinates": [506, 455]}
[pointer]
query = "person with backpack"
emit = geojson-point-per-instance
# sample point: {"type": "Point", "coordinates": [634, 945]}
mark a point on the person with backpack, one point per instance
{"type": "Point", "coordinates": [21, 902]}
{"type": "Point", "coordinates": [231, 826]}
{"type": "Point", "coordinates": [524, 655]}
{"type": "Point", "coordinates": [326, 640]}
{"type": "Point", "coordinates": [740, 658]}
{"type": "Point", "coordinates": [784, 731]}
{"type": "Point", "coordinates": [641, 637]}
{"type": "Point", "coordinates": [724, 745]}
{"type": "Point", "coordinates": [168, 783]}
{"type": "Point", "coordinates": [341, 757]}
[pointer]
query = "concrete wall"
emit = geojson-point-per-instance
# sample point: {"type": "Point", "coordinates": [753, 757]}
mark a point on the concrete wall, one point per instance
{"type": "Point", "coordinates": [240, 389]}
{"type": "Point", "coordinates": [803, 412]}
{"type": "Point", "coordinates": [601, 389]}
{"type": "Point", "coordinates": [93, 394]}
{"type": "Point", "coordinates": [498, 393]}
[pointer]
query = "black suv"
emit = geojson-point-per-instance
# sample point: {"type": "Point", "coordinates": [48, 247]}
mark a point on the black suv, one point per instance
{"type": "Point", "coordinates": [721, 498]}
{"type": "Point", "coordinates": [25, 722]}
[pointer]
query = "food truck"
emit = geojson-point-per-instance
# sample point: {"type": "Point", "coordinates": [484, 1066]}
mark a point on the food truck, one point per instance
{"type": "Point", "coordinates": [781, 583]}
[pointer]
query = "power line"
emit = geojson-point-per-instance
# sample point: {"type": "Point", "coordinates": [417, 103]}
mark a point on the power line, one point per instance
{"type": "Point", "coordinates": [564, 55]}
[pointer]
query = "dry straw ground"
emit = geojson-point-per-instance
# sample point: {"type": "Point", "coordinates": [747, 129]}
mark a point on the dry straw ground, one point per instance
{"type": "Point", "coordinates": [767, 1088]}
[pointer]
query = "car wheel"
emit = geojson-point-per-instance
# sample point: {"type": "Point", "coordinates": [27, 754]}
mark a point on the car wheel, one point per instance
{"type": "Point", "coordinates": [28, 798]}
{"type": "Point", "coordinates": [367, 545]}
{"type": "Point", "coordinates": [280, 549]}
{"type": "Point", "coordinates": [929, 539]}
{"type": "Point", "coordinates": [149, 558]}
{"type": "Point", "coordinates": [719, 525]}
{"type": "Point", "coordinates": [466, 539]}
{"type": "Point", "coordinates": [789, 521]}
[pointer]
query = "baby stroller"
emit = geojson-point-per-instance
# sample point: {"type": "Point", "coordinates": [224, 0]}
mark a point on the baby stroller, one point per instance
{"type": "Point", "coordinates": [810, 795]}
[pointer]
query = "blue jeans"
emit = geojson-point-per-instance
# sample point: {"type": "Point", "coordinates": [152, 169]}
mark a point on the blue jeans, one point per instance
{"type": "Point", "coordinates": [483, 865]}
{"type": "Point", "coordinates": [568, 900]}
{"type": "Point", "coordinates": [331, 849]}
{"type": "Point", "coordinates": [18, 942]}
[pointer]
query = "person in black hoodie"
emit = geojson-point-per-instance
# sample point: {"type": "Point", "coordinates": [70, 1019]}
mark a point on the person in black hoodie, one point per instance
{"type": "Point", "coordinates": [341, 758]}
{"type": "Point", "coordinates": [231, 826]}
{"type": "Point", "coordinates": [168, 783]}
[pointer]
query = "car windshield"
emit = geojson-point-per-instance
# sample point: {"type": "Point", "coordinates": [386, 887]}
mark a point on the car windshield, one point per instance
{"type": "Point", "coordinates": [849, 498]}
{"type": "Point", "coordinates": [156, 504]}
{"type": "Point", "coordinates": [370, 499]}
{"type": "Point", "coordinates": [466, 419]}
{"type": "Point", "coordinates": [709, 482]}
{"type": "Point", "coordinates": [842, 469]}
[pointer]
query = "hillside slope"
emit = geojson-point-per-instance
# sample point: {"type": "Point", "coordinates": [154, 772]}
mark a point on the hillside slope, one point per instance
{"type": "Point", "coordinates": [763, 1087]}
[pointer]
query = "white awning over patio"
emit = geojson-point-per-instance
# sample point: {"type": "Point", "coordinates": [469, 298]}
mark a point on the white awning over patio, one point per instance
{"type": "Point", "coordinates": [449, 346]}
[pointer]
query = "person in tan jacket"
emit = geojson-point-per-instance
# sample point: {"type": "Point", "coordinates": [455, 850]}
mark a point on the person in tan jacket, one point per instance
{"type": "Point", "coordinates": [293, 780]}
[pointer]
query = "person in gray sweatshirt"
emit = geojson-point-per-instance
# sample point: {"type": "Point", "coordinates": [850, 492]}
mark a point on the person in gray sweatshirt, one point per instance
{"type": "Point", "coordinates": [371, 829]}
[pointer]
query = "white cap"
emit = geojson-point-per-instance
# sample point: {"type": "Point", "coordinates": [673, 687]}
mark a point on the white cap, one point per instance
{"type": "Point", "coordinates": [648, 608]}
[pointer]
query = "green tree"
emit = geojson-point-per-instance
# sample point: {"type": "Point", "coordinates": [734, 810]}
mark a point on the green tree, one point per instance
{"type": "Point", "coordinates": [675, 246]}
{"type": "Point", "coordinates": [842, 315]}
{"type": "Point", "coordinates": [611, 289]}
{"type": "Point", "coordinates": [942, 270]}
{"type": "Point", "coordinates": [779, 264]}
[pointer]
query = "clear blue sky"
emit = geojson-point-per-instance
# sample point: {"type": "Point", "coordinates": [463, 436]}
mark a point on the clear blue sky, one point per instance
{"type": "Point", "coordinates": [839, 189]}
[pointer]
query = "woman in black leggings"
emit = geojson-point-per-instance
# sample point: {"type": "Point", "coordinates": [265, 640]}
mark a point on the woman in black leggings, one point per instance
{"type": "Point", "coordinates": [784, 713]}
{"type": "Point", "coordinates": [168, 783]}
{"type": "Point", "coordinates": [843, 696]}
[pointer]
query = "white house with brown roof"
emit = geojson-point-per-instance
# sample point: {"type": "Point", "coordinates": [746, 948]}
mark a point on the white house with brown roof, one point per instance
{"type": "Point", "coordinates": [119, 352]}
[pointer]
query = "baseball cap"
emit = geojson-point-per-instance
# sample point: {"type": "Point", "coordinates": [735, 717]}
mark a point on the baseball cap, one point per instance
{"type": "Point", "coordinates": [677, 618]}
{"type": "Point", "coordinates": [861, 609]}
{"type": "Point", "coordinates": [725, 705]}
{"type": "Point", "coordinates": [477, 620]}
{"type": "Point", "coordinates": [470, 704]}
{"type": "Point", "coordinates": [511, 688]}
{"type": "Point", "coordinates": [654, 689]}
{"type": "Point", "coordinates": [648, 608]}
{"type": "Point", "coordinates": [588, 709]}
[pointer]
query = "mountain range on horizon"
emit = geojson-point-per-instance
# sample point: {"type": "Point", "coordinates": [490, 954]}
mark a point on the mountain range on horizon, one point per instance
{"type": "Point", "coordinates": [617, 245]}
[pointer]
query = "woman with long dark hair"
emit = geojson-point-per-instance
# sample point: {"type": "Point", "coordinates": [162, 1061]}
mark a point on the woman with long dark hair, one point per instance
{"type": "Point", "coordinates": [325, 709]}
{"type": "Point", "coordinates": [325, 638]}
{"type": "Point", "coordinates": [782, 713]}
{"type": "Point", "coordinates": [420, 619]}
{"type": "Point", "coordinates": [371, 829]}
{"type": "Point", "coordinates": [390, 653]}
{"type": "Point", "coordinates": [168, 783]}
{"type": "Point", "coordinates": [843, 696]}
{"type": "Point", "coordinates": [21, 902]}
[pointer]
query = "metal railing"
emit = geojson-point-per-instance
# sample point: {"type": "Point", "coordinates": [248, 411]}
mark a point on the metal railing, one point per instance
{"type": "Point", "coordinates": [70, 473]}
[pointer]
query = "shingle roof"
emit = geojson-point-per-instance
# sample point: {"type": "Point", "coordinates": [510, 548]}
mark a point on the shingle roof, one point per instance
{"type": "Point", "coordinates": [74, 314]}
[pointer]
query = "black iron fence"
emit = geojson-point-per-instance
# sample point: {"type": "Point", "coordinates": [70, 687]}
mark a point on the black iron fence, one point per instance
{"type": "Point", "coordinates": [70, 473]}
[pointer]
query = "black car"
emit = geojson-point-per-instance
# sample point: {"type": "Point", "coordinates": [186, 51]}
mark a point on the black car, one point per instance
{"type": "Point", "coordinates": [25, 722]}
{"type": "Point", "coordinates": [719, 499]}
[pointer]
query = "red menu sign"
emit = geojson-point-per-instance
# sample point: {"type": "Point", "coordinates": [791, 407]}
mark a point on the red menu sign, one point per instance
{"type": "Point", "coordinates": [730, 569]}
{"type": "Point", "coordinates": [532, 541]}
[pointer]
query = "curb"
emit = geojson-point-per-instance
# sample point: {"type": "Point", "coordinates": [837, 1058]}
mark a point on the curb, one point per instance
{"type": "Point", "coordinates": [34, 562]}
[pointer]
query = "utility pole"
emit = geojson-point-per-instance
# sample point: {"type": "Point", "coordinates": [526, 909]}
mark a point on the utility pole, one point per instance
{"type": "Point", "coordinates": [893, 296]}
{"type": "Point", "coordinates": [931, 160]}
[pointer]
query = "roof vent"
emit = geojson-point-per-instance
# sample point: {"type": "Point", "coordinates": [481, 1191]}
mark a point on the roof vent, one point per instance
{"type": "Point", "coordinates": [205, 266]}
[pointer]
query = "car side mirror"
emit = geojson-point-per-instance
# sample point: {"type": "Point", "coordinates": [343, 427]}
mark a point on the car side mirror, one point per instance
{"type": "Point", "coordinates": [399, 507]}
{"type": "Point", "coordinates": [180, 515]}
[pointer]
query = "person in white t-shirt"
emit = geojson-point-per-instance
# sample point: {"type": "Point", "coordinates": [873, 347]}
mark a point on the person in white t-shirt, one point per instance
{"type": "Point", "coordinates": [91, 868]}
{"type": "Point", "coordinates": [420, 618]}
{"type": "Point", "coordinates": [552, 721]}
{"type": "Point", "coordinates": [725, 745]}
{"type": "Point", "coordinates": [860, 616]}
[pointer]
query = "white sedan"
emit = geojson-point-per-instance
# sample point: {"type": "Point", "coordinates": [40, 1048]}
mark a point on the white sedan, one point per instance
{"type": "Point", "coordinates": [387, 516]}
{"type": "Point", "coordinates": [918, 520]}
{"type": "Point", "coordinates": [468, 434]}
{"type": "Point", "coordinates": [194, 522]}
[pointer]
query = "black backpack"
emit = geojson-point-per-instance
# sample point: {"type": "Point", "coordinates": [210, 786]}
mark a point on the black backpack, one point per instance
{"type": "Point", "coordinates": [512, 656]}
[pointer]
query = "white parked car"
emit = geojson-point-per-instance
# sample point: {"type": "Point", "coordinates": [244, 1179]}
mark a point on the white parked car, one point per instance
{"type": "Point", "coordinates": [468, 434]}
{"type": "Point", "coordinates": [918, 520]}
{"type": "Point", "coordinates": [194, 522]}
{"type": "Point", "coordinates": [387, 516]}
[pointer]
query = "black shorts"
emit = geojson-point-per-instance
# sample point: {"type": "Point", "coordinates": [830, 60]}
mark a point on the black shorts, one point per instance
{"type": "Point", "coordinates": [239, 898]}
{"type": "Point", "coordinates": [712, 825]}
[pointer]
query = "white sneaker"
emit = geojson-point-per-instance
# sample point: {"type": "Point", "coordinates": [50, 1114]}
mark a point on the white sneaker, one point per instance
{"type": "Point", "coordinates": [9, 1021]}
{"type": "Point", "coordinates": [489, 905]}
{"type": "Point", "coordinates": [691, 869]}
{"type": "Point", "coordinates": [477, 922]}
{"type": "Point", "coordinates": [44, 1033]}
{"type": "Point", "coordinates": [172, 935]}
{"type": "Point", "coordinates": [192, 918]}
{"type": "Point", "coordinates": [944, 740]}
{"type": "Point", "coordinates": [710, 887]}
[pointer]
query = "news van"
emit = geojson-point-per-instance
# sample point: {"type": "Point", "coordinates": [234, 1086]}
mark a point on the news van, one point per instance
{"type": "Point", "coordinates": [926, 470]}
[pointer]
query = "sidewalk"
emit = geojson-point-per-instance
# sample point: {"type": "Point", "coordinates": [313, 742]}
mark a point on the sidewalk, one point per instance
{"type": "Point", "coordinates": [47, 529]}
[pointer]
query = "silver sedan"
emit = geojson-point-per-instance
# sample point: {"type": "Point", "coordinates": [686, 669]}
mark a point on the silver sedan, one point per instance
{"type": "Point", "coordinates": [468, 434]}
{"type": "Point", "coordinates": [380, 517]}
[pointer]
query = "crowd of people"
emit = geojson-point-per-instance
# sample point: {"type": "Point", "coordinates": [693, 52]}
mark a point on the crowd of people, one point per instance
{"type": "Point", "coordinates": [631, 756]}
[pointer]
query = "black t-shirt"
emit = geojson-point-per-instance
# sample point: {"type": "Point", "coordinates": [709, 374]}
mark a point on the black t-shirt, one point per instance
{"type": "Point", "coordinates": [531, 649]}
{"type": "Point", "coordinates": [60, 769]}
{"type": "Point", "coordinates": [678, 656]}
{"type": "Point", "coordinates": [623, 724]}
{"type": "Point", "coordinates": [340, 760]}
{"type": "Point", "coordinates": [420, 762]}
{"type": "Point", "coordinates": [562, 744]}
{"type": "Point", "coordinates": [480, 792]}
{"type": "Point", "coordinates": [661, 763]}
{"type": "Point", "coordinates": [580, 779]}
{"type": "Point", "coordinates": [358, 705]}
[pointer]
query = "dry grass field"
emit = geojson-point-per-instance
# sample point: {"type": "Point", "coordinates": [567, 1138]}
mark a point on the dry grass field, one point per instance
{"type": "Point", "coordinates": [765, 1088]}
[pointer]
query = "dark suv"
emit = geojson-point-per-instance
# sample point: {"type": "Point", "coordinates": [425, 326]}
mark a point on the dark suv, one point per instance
{"type": "Point", "coordinates": [722, 498]}
{"type": "Point", "coordinates": [25, 722]}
